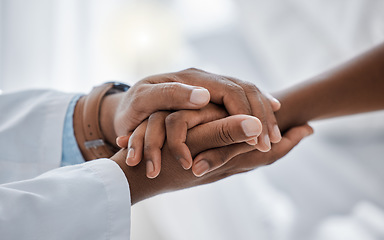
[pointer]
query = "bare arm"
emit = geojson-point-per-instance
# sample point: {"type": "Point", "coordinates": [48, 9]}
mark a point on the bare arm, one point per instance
{"type": "Point", "coordinates": [355, 87]}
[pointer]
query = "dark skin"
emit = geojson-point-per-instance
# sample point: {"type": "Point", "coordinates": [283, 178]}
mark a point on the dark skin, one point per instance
{"type": "Point", "coordinates": [122, 113]}
{"type": "Point", "coordinates": [355, 87]}
{"type": "Point", "coordinates": [173, 177]}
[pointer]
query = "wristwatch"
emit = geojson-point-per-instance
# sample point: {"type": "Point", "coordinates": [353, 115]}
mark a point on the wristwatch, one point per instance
{"type": "Point", "coordinates": [89, 136]}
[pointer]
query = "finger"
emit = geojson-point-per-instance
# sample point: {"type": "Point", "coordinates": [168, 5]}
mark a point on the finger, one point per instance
{"type": "Point", "coordinates": [135, 144]}
{"type": "Point", "coordinates": [214, 158]}
{"type": "Point", "coordinates": [222, 90]}
{"type": "Point", "coordinates": [222, 132]}
{"type": "Point", "coordinates": [253, 159]}
{"type": "Point", "coordinates": [169, 96]}
{"type": "Point", "coordinates": [275, 104]}
{"type": "Point", "coordinates": [179, 122]}
{"type": "Point", "coordinates": [122, 141]}
{"type": "Point", "coordinates": [153, 142]}
{"type": "Point", "coordinates": [259, 110]}
{"type": "Point", "coordinates": [271, 122]}
{"type": "Point", "coordinates": [290, 139]}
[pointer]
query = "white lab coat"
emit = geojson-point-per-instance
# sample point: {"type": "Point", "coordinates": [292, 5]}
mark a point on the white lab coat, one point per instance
{"type": "Point", "coordinates": [86, 201]}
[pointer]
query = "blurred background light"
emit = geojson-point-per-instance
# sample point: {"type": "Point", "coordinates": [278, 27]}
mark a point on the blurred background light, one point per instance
{"type": "Point", "coordinates": [141, 38]}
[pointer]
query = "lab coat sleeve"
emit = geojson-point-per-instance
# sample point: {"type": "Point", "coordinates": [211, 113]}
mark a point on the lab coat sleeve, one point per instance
{"type": "Point", "coordinates": [84, 201]}
{"type": "Point", "coordinates": [31, 132]}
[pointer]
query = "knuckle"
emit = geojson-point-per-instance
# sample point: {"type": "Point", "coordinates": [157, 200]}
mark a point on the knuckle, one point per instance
{"type": "Point", "coordinates": [222, 157]}
{"type": "Point", "coordinates": [236, 80]}
{"type": "Point", "coordinates": [140, 89]}
{"type": "Point", "coordinates": [158, 116]}
{"type": "Point", "coordinates": [224, 135]}
{"type": "Point", "coordinates": [192, 69]}
{"type": "Point", "coordinates": [172, 119]}
{"type": "Point", "coordinates": [170, 90]}
{"type": "Point", "coordinates": [138, 112]}
{"type": "Point", "coordinates": [233, 88]}
{"type": "Point", "coordinates": [136, 96]}
{"type": "Point", "coordinates": [149, 148]}
{"type": "Point", "coordinates": [250, 87]}
{"type": "Point", "coordinates": [170, 78]}
{"type": "Point", "coordinates": [136, 101]}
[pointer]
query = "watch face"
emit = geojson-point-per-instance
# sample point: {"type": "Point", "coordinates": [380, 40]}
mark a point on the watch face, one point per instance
{"type": "Point", "coordinates": [121, 86]}
{"type": "Point", "coordinates": [118, 87]}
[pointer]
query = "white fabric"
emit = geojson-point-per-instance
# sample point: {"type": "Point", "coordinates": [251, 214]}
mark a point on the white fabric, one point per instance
{"type": "Point", "coordinates": [87, 201]}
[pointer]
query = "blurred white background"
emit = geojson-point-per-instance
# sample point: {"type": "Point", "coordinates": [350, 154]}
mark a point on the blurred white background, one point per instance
{"type": "Point", "coordinates": [329, 187]}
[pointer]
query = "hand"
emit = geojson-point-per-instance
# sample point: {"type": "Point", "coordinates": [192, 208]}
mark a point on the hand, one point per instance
{"type": "Point", "coordinates": [151, 147]}
{"type": "Point", "coordinates": [200, 138]}
{"type": "Point", "coordinates": [237, 96]}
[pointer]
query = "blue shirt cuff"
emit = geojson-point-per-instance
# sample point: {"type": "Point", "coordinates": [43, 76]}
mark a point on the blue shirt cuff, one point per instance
{"type": "Point", "coordinates": [71, 154]}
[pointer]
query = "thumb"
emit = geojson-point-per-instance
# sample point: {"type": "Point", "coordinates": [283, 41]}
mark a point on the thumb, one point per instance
{"type": "Point", "coordinates": [223, 132]}
{"type": "Point", "coordinates": [173, 96]}
{"type": "Point", "coordinates": [146, 99]}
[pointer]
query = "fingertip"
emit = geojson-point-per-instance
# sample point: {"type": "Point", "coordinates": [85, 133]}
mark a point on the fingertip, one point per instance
{"type": "Point", "coordinates": [131, 158]}
{"type": "Point", "coordinates": [252, 142]}
{"type": "Point", "coordinates": [182, 154]}
{"type": "Point", "coordinates": [200, 96]}
{"type": "Point", "coordinates": [185, 163]}
{"type": "Point", "coordinates": [275, 103]}
{"type": "Point", "coordinates": [275, 134]}
{"type": "Point", "coordinates": [309, 131]}
{"type": "Point", "coordinates": [251, 126]}
{"type": "Point", "coordinates": [151, 171]}
{"type": "Point", "coordinates": [296, 134]}
{"type": "Point", "coordinates": [264, 144]}
{"type": "Point", "coordinates": [200, 168]}
{"type": "Point", "coordinates": [122, 141]}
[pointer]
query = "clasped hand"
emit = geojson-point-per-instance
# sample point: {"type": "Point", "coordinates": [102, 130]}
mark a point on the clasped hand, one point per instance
{"type": "Point", "coordinates": [201, 120]}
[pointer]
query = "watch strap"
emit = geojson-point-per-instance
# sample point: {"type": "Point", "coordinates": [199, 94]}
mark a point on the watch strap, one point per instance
{"type": "Point", "coordinates": [89, 136]}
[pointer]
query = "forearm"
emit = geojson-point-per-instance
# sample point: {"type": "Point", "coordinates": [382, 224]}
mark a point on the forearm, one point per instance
{"type": "Point", "coordinates": [355, 87]}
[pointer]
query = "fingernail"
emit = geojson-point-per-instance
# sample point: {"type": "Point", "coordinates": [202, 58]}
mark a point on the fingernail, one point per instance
{"type": "Point", "coordinates": [251, 127]}
{"type": "Point", "coordinates": [199, 96]}
{"type": "Point", "coordinates": [201, 168]}
{"type": "Point", "coordinates": [130, 156]}
{"type": "Point", "coordinates": [150, 169]}
{"type": "Point", "coordinates": [252, 141]}
{"type": "Point", "coordinates": [117, 141]}
{"type": "Point", "coordinates": [267, 142]}
{"type": "Point", "coordinates": [276, 101]}
{"type": "Point", "coordinates": [276, 132]}
{"type": "Point", "coordinates": [184, 163]}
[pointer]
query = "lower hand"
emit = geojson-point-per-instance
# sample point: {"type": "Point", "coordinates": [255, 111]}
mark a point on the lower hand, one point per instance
{"type": "Point", "coordinates": [199, 139]}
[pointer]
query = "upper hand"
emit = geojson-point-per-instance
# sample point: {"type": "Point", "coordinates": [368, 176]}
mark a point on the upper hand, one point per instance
{"type": "Point", "coordinates": [193, 89]}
